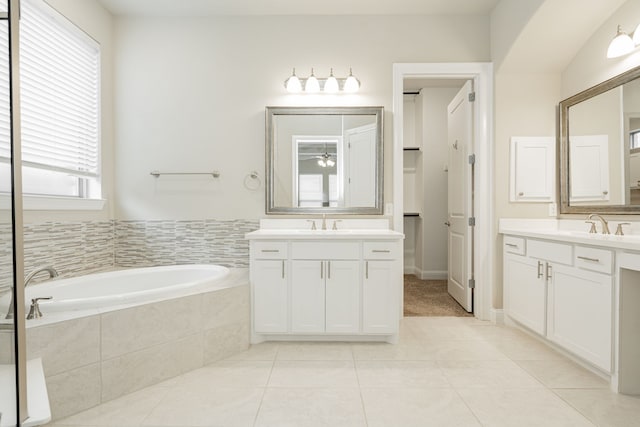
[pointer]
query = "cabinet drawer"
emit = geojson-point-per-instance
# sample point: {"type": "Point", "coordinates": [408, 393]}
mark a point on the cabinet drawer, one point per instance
{"type": "Point", "coordinates": [550, 251]}
{"type": "Point", "coordinates": [269, 250]}
{"type": "Point", "coordinates": [380, 250]}
{"type": "Point", "coordinates": [600, 260]}
{"type": "Point", "coordinates": [325, 250]}
{"type": "Point", "coordinates": [514, 245]}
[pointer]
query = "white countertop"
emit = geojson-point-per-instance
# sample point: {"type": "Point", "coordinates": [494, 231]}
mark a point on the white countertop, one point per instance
{"type": "Point", "coordinates": [300, 228]}
{"type": "Point", "coordinates": [297, 234]}
{"type": "Point", "coordinates": [570, 232]}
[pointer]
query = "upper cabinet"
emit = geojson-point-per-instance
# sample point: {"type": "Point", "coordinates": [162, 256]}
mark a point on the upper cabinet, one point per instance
{"type": "Point", "coordinates": [533, 169]}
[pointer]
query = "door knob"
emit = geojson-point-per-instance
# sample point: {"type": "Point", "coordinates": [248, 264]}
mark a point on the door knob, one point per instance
{"type": "Point", "coordinates": [448, 224]}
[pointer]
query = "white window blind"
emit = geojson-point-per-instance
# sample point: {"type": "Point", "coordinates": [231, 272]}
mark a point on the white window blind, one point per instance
{"type": "Point", "coordinates": [59, 78]}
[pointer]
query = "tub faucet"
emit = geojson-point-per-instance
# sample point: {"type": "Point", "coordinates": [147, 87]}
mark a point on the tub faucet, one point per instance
{"type": "Point", "coordinates": [52, 273]}
{"type": "Point", "coordinates": [605, 224]}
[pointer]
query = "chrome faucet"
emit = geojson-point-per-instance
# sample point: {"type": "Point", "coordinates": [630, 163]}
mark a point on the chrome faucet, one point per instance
{"type": "Point", "coordinates": [605, 224]}
{"type": "Point", "coordinates": [52, 273]}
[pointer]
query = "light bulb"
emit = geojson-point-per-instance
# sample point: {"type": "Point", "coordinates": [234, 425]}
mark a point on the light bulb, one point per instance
{"type": "Point", "coordinates": [322, 163]}
{"type": "Point", "coordinates": [351, 85]}
{"type": "Point", "coordinates": [620, 45]}
{"type": "Point", "coordinates": [312, 85]}
{"type": "Point", "coordinates": [330, 163]}
{"type": "Point", "coordinates": [293, 84]}
{"type": "Point", "coordinates": [331, 85]}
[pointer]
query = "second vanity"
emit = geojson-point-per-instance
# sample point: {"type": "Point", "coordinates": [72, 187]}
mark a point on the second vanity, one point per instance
{"type": "Point", "coordinates": [578, 291]}
{"type": "Point", "coordinates": [325, 284]}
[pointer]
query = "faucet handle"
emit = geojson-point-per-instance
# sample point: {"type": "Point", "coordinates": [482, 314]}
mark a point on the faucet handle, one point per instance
{"type": "Point", "coordinates": [335, 226]}
{"type": "Point", "coordinates": [592, 229]}
{"type": "Point", "coordinates": [34, 310]}
{"type": "Point", "coordinates": [619, 231]}
{"type": "Point", "coordinates": [313, 223]}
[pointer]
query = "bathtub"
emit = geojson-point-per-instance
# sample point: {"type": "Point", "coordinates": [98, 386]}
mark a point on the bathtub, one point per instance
{"type": "Point", "coordinates": [105, 335]}
{"type": "Point", "coordinates": [124, 287]}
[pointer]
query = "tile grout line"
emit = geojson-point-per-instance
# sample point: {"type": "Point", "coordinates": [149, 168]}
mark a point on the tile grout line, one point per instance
{"type": "Point", "coordinates": [264, 390]}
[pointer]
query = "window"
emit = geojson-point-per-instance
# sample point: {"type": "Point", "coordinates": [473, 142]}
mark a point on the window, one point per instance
{"type": "Point", "coordinates": [59, 100]}
{"type": "Point", "coordinates": [634, 140]}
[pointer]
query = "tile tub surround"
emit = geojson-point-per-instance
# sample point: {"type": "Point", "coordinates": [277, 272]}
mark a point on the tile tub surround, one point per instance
{"type": "Point", "coordinates": [95, 359]}
{"type": "Point", "coordinates": [151, 243]}
{"type": "Point", "coordinates": [83, 247]}
{"type": "Point", "coordinates": [420, 381]}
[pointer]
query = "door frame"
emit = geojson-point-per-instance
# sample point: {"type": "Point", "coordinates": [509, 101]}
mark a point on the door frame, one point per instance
{"type": "Point", "coordinates": [484, 243]}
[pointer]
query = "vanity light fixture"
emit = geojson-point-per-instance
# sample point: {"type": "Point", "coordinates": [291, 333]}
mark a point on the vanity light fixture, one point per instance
{"type": "Point", "coordinates": [329, 85]}
{"type": "Point", "coordinates": [622, 43]}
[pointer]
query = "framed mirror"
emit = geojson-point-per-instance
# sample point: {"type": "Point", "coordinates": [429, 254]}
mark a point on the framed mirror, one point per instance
{"type": "Point", "coordinates": [599, 152]}
{"type": "Point", "coordinates": [324, 160]}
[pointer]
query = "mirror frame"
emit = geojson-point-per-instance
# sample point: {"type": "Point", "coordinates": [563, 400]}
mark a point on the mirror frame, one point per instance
{"type": "Point", "coordinates": [563, 147]}
{"type": "Point", "coordinates": [272, 112]}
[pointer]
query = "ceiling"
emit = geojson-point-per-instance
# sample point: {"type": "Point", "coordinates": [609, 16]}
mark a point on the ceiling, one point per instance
{"type": "Point", "coordinates": [297, 7]}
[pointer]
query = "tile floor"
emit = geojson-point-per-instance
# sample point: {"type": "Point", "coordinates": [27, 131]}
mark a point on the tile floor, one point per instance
{"type": "Point", "coordinates": [444, 372]}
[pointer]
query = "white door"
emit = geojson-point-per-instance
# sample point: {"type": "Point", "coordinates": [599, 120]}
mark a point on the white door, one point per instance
{"type": "Point", "coordinates": [460, 125]}
{"type": "Point", "coordinates": [307, 296]}
{"type": "Point", "coordinates": [270, 302]}
{"type": "Point", "coordinates": [379, 298]}
{"type": "Point", "coordinates": [360, 182]}
{"type": "Point", "coordinates": [342, 296]}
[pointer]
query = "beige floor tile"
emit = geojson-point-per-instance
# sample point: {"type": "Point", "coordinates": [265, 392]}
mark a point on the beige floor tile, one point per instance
{"type": "Point", "coordinates": [521, 407]}
{"type": "Point", "coordinates": [387, 373]}
{"type": "Point", "coordinates": [129, 410]}
{"type": "Point", "coordinates": [497, 333]}
{"type": "Point", "coordinates": [311, 407]}
{"type": "Point", "coordinates": [315, 351]}
{"type": "Point", "coordinates": [228, 373]}
{"type": "Point", "coordinates": [562, 374]}
{"type": "Point", "coordinates": [331, 374]}
{"type": "Point", "coordinates": [262, 351]}
{"type": "Point", "coordinates": [464, 350]}
{"type": "Point", "coordinates": [408, 407]}
{"type": "Point", "coordinates": [383, 351]}
{"type": "Point", "coordinates": [486, 374]}
{"type": "Point", "coordinates": [526, 348]}
{"type": "Point", "coordinates": [603, 407]}
{"type": "Point", "coordinates": [218, 407]}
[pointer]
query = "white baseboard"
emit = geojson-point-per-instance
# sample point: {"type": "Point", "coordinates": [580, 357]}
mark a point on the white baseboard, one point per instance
{"type": "Point", "coordinates": [410, 269]}
{"type": "Point", "coordinates": [497, 316]}
{"type": "Point", "coordinates": [434, 275]}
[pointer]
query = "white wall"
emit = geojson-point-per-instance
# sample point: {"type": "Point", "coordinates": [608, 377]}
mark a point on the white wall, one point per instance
{"type": "Point", "coordinates": [590, 65]}
{"type": "Point", "coordinates": [190, 95]}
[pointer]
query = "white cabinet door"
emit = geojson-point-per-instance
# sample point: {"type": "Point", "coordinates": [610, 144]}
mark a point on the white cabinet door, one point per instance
{"type": "Point", "coordinates": [379, 298]}
{"type": "Point", "coordinates": [589, 168]}
{"type": "Point", "coordinates": [581, 313]}
{"type": "Point", "coordinates": [307, 296]}
{"type": "Point", "coordinates": [342, 296]}
{"type": "Point", "coordinates": [525, 291]}
{"type": "Point", "coordinates": [533, 169]}
{"type": "Point", "coordinates": [269, 280]}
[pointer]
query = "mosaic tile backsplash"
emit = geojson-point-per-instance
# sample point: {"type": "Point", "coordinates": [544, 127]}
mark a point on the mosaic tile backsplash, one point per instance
{"type": "Point", "coordinates": [78, 248]}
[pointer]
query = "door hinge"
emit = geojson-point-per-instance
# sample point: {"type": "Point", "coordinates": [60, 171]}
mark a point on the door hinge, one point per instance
{"type": "Point", "coordinates": [472, 221]}
{"type": "Point", "coordinates": [349, 144]}
{"type": "Point", "coordinates": [472, 159]}
{"type": "Point", "coordinates": [472, 283]}
{"type": "Point", "coordinates": [472, 97]}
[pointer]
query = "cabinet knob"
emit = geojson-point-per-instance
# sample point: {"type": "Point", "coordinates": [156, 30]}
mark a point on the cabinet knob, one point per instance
{"type": "Point", "coordinates": [605, 192]}
{"type": "Point", "coordinates": [521, 194]}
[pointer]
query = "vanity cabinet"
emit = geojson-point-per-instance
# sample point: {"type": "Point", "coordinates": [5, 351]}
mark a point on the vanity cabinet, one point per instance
{"type": "Point", "coordinates": [326, 289]}
{"type": "Point", "coordinates": [562, 292]}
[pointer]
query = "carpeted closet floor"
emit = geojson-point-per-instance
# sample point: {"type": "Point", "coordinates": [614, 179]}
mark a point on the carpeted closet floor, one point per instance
{"type": "Point", "coordinates": [429, 298]}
